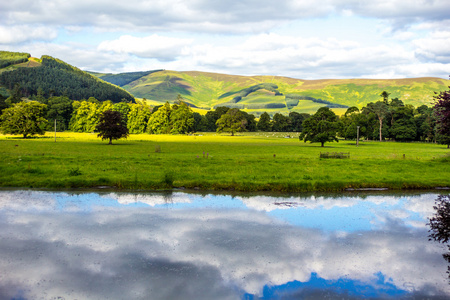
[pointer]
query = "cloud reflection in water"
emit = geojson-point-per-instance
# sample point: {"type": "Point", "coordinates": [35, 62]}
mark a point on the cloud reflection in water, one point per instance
{"type": "Point", "coordinates": [119, 246]}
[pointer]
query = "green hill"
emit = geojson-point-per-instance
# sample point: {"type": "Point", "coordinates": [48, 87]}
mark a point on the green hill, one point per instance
{"type": "Point", "coordinates": [257, 94]}
{"type": "Point", "coordinates": [54, 77]}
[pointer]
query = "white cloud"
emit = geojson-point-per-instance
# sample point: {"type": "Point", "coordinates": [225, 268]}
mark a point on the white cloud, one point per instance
{"type": "Point", "coordinates": [24, 33]}
{"type": "Point", "coordinates": [154, 46]}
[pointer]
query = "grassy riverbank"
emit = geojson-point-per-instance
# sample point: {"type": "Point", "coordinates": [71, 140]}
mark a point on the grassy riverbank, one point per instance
{"type": "Point", "coordinates": [247, 162]}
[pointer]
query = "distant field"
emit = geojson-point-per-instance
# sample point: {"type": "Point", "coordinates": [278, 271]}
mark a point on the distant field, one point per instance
{"type": "Point", "coordinates": [247, 162]}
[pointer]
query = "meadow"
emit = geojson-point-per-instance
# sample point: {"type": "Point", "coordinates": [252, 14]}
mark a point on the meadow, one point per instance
{"type": "Point", "coordinates": [209, 161]}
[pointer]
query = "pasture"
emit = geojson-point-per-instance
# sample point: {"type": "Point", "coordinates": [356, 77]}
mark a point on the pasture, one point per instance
{"type": "Point", "coordinates": [209, 161]}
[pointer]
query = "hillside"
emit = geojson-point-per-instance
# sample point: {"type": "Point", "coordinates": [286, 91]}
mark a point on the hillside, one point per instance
{"type": "Point", "coordinates": [256, 94]}
{"type": "Point", "coordinates": [54, 77]}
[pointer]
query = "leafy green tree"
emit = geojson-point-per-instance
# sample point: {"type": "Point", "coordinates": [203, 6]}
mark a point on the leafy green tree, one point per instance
{"type": "Point", "coordinates": [25, 118]}
{"type": "Point", "coordinates": [197, 121]}
{"type": "Point", "coordinates": [123, 108]}
{"type": "Point", "coordinates": [233, 121]}
{"type": "Point", "coordinates": [111, 126]}
{"type": "Point", "coordinates": [296, 120]}
{"type": "Point", "coordinates": [425, 123]}
{"type": "Point", "coordinates": [138, 117]}
{"type": "Point", "coordinates": [181, 119]}
{"type": "Point", "coordinates": [403, 127]}
{"type": "Point", "coordinates": [381, 110]}
{"type": "Point", "coordinates": [159, 121]}
{"type": "Point", "coordinates": [321, 127]}
{"type": "Point", "coordinates": [264, 123]}
{"type": "Point", "coordinates": [350, 122]}
{"type": "Point", "coordinates": [385, 96]}
{"type": "Point", "coordinates": [442, 113]}
{"type": "Point", "coordinates": [84, 117]}
{"type": "Point", "coordinates": [280, 123]}
{"type": "Point", "coordinates": [251, 122]}
{"type": "Point", "coordinates": [213, 116]}
{"type": "Point", "coordinates": [61, 109]}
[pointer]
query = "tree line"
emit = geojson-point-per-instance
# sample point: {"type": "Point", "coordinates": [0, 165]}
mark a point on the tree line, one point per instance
{"type": "Point", "coordinates": [387, 119]}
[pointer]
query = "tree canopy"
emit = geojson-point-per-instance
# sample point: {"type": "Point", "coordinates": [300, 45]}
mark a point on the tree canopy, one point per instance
{"type": "Point", "coordinates": [111, 126]}
{"type": "Point", "coordinates": [233, 121]}
{"type": "Point", "coordinates": [321, 127]}
{"type": "Point", "coordinates": [25, 118]}
{"type": "Point", "coordinates": [442, 113]}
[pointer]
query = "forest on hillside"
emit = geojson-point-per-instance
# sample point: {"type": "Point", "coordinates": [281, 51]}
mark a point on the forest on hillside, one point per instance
{"type": "Point", "coordinates": [56, 78]}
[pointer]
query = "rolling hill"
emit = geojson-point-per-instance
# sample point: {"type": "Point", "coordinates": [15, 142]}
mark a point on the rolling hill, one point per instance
{"type": "Point", "coordinates": [51, 76]}
{"type": "Point", "coordinates": [257, 94]}
{"type": "Point", "coordinates": [204, 91]}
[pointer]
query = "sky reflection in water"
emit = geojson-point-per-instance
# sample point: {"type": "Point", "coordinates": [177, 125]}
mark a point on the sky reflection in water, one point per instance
{"type": "Point", "coordinates": [184, 246]}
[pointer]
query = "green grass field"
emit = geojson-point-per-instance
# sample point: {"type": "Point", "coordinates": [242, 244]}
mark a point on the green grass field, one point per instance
{"type": "Point", "coordinates": [247, 162]}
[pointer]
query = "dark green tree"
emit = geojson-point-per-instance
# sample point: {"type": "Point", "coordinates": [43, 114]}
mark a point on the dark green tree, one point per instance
{"type": "Point", "coordinates": [442, 113]}
{"type": "Point", "coordinates": [296, 120]}
{"type": "Point", "coordinates": [381, 110]}
{"type": "Point", "coordinates": [15, 95]}
{"type": "Point", "coordinates": [251, 122]}
{"type": "Point", "coordinates": [403, 127]}
{"type": "Point", "coordinates": [181, 119]}
{"type": "Point", "coordinates": [25, 118]}
{"type": "Point", "coordinates": [264, 123]}
{"type": "Point", "coordinates": [281, 123]}
{"type": "Point", "coordinates": [111, 126]}
{"type": "Point", "coordinates": [321, 127]}
{"type": "Point", "coordinates": [197, 121]}
{"type": "Point", "coordinates": [233, 121]}
{"type": "Point", "coordinates": [61, 109]}
{"type": "Point", "coordinates": [385, 96]}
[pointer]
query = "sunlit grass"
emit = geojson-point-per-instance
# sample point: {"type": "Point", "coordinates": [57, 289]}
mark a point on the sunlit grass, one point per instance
{"type": "Point", "coordinates": [247, 161]}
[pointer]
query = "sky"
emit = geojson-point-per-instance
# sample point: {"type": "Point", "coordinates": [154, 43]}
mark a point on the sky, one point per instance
{"type": "Point", "coordinates": [295, 38]}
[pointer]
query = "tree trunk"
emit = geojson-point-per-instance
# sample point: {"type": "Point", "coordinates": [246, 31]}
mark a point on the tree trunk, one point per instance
{"type": "Point", "coordinates": [381, 125]}
{"type": "Point", "coordinates": [232, 133]}
{"type": "Point", "coordinates": [110, 141]}
{"type": "Point", "coordinates": [322, 144]}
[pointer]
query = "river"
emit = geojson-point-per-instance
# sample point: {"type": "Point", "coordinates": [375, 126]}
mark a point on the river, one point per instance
{"type": "Point", "coordinates": [177, 245]}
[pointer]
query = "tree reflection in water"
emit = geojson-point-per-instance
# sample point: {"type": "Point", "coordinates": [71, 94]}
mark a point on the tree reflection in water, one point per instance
{"type": "Point", "coordinates": [440, 224]}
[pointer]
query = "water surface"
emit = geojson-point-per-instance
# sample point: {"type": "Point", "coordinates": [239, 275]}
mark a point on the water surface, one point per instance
{"type": "Point", "coordinates": [185, 246]}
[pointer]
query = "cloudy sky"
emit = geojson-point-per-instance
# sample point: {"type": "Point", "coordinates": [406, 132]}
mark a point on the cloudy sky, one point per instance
{"type": "Point", "coordinates": [295, 38]}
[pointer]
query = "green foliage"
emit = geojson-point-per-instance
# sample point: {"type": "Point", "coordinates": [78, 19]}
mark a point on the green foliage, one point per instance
{"type": "Point", "coordinates": [321, 127]}
{"type": "Point", "coordinates": [403, 127]}
{"type": "Point", "coordinates": [74, 172]}
{"type": "Point", "coordinates": [159, 121]}
{"type": "Point", "coordinates": [442, 114]}
{"type": "Point", "coordinates": [281, 123]}
{"type": "Point", "coordinates": [264, 123]}
{"type": "Point", "coordinates": [57, 78]}
{"type": "Point", "coordinates": [61, 109]}
{"type": "Point", "coordinates": [181, 119]}
{"type": "Point", "coordinates": [232, 121]}
{"type": "Point", "coordinates": [25, 118]}
{"type": "Point", "coordinates": [11, 58]}
{"type": "Point", "coordinates": [138, 117]}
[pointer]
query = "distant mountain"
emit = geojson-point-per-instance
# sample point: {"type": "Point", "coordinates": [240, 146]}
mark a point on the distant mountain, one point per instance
{"type": "Point", "coordinates": [54, 77]}
{"type": "Point", "coordinates": [257, 94]}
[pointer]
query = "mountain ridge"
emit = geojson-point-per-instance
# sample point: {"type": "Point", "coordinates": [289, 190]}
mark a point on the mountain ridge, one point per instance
{"type": "Point", "coordinates": [206, 90]}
